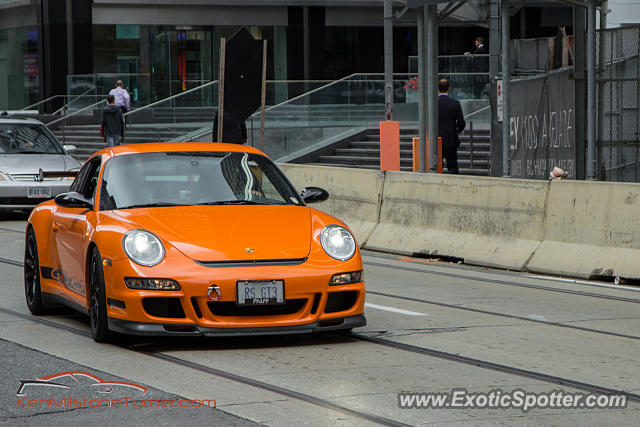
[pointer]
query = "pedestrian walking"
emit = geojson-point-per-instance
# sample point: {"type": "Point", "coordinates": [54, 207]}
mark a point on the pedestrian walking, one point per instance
{"type": "Point", "coordinates": [450, 124]}
{"type": "Point", "coordinates": [121, 96]}
{"type": "Point", "coordinates": [112, 123]}
{"type": "Point", "coordinates": [232, 132]}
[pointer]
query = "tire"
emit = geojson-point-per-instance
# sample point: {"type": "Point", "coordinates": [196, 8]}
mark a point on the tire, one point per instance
{"type": "Point", "coordinates": [32, 290]}
{"type": "Point", "coordinates": [98, 300]}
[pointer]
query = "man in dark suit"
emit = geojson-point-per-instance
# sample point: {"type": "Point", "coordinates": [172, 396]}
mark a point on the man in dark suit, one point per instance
{"type": "Point", "coordinates": [480, 49]}
{"type": "Point", "coordinates": [450, 124]}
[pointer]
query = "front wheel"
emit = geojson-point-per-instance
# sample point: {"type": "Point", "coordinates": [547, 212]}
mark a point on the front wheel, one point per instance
{"type": "Point", "coordinates": [98, 303]}
{"type": "Point", "coordinates": [32, 289]}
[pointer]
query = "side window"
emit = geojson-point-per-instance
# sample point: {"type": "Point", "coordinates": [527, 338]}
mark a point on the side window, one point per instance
{"type": "Point", "coordinates": [87, 181]}
{"type": "Point", "coordinates": [77, 183]}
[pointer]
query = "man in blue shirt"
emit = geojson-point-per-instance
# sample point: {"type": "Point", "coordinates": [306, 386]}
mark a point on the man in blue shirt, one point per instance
{"type": "Point", "coordinates": [121, 96]}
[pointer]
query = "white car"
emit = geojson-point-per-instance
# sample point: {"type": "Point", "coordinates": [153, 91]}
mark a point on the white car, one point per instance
{"type": "Point", "coordinates": [26, 146]}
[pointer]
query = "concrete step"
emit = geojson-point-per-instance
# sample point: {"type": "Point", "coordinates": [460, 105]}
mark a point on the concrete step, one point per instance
{"type": "Point", "coordinates": [464, 145]}
{"type": "Point", "coordinates": [462, 170]}
{"type": "Point", "coordinates": [358, 160]}
{"type": "Point", "coordinates": [367, 152]}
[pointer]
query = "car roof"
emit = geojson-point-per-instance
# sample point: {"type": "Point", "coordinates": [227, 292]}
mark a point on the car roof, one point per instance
{"type": "Point", "coordinates": [161, 147]}
{"type": "Point", "coordinates": [19, 119]}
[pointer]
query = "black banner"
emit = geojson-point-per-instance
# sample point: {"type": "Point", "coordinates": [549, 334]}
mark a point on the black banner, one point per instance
{"type": "Point", "coordinates": [541, 126]}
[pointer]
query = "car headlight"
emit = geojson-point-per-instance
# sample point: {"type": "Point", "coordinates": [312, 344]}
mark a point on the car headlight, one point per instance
{"type": "Point", "coordinates": [337, 242]}
{"type": "Point", "coordinates": [4, 177]}
{"type": "Point", "coordinates": [143, 247]}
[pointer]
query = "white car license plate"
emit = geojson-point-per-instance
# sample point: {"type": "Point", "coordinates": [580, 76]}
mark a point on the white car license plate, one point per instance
{"type": "Point", "coordinates": [39, 192]}
{"type": "Point", "coordinates": [260, 292]}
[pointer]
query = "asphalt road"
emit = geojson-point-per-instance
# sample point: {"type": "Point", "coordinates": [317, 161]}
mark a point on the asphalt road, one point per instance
{"type": "Point", "coordinates": [432, 327]}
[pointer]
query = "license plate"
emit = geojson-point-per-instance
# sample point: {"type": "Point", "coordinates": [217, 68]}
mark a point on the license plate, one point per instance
{"type": "Point", "coordinates": [39, 192]}
{"type": "Point", "coordinates": [260, 292]}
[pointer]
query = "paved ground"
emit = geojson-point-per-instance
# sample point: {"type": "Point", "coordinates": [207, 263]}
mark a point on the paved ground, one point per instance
{"type": "Point", "coordinates": [435, 328]}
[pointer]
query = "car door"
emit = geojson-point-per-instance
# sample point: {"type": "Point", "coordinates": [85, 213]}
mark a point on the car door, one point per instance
{"type": "Point", "coordinates": [70, 228]}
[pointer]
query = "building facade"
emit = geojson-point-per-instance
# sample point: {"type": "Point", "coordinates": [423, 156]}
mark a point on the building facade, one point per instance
{"type": "Point", "coordinates": [163, 47]}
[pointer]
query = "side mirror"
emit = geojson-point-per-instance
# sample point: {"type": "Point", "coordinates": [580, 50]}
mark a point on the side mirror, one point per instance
{"type": "Point", "coordinates": [73, 199]}
{"type": "Point", "coordinates": [314, 194]}
{"type": "Point", "coordinates": [70, 148]}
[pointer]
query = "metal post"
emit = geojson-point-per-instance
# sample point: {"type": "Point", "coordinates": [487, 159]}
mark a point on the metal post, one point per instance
{"type": "Point", "coordinates": [638, 109]}
{"type": "Point", "coordinates": [591, 90]}
{"type": "Point", "coordinates": [471, 145]}
{"type": "Point", "coordinates": [422, 124]}
{"type": "Point", "coordinates": [264, 93]}
{"type": "Point", "coordinates": [306, 53]}
{"type": "Point", "coordinates": [388, 60]}
{"type": "Point", "coordinates": [601, 84]}
{"type": "Point", "coordinates": [70, 49]}
{"type": "Point", "coordinates": [506, 87]}
{"type": "Point", "coordinates": [432, 78]}
{"type": "Point", "coordinates": [494, 37]}
{"type": "Point", "coordinates": [223, 46]}
{"type": "Point", "coordinates": [495, 162]}
{"type": "Point", "coordinates": [580, 101]}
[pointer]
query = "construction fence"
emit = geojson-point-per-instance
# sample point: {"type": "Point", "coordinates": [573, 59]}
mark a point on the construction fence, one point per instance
{"type": "Point", "coordinates": [618, 128]}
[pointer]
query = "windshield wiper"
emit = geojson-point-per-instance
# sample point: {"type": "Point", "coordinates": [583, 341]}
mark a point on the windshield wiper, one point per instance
{"type": "Point", "coordinates": [151, 205]}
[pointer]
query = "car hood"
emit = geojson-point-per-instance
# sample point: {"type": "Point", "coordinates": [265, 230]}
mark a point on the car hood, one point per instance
{"type": "Point", "coordinates": [223, 233]}
{"type": "Point", "coordinates": [30, 163]}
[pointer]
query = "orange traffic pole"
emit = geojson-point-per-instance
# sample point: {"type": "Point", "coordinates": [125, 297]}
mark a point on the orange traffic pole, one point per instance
{"type": "Point", "coordinates": [390, 145]}
{"type": "Point", "coordinates": [416, 154]}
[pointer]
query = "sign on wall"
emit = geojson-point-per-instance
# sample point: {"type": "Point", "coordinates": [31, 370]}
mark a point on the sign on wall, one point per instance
{"type": "Point", "coordinates": [541, 126]}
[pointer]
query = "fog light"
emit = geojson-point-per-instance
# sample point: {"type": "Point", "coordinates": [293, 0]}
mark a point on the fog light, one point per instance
{"type": "Point", "coordinates": [346, 278]}
{"type": "Point", "coordinates": [153, 284]}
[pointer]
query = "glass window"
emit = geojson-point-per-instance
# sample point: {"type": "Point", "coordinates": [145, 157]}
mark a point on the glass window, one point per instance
{"type": "Point", "coordinates": [27, 138]}
{"type": "Point", "coordinates": [20, 84]}
{"type": "Point", "coordinates": [86, 183]}
{"type": "Point", "coordinates": [193, 178]}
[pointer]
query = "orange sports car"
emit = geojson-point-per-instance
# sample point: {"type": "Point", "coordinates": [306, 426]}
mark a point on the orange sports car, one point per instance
{"type": "Point", "coordinates": [192, 239]}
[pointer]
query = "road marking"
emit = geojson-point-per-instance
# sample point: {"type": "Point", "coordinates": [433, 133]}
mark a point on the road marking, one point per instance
{"type": "Point", "coordinates": [393, 309]}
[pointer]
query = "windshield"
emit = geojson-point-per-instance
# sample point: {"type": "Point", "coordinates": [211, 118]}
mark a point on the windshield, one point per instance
{"type": "Point", "coordinates": [193, 178]}
{"type": "Point", "coordinates": [27, 138]}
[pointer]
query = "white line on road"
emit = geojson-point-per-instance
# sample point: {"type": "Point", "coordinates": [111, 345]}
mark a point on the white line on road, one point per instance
{"type": "Point", "coordinates": [393, 309]}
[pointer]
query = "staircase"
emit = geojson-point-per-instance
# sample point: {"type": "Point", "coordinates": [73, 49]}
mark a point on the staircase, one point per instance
{"type": "Point", "coordinates": [87, 138]}
{"type": "Point", "coordinates": [364, 152]}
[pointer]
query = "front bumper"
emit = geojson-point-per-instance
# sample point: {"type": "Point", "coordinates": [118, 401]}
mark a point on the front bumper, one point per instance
{"type": "Point", "coordinates": [14, 194]}
{"type": "Point", "coordinates": [156, 329]}
{"type": "Point", "coordinates": [311, 305]}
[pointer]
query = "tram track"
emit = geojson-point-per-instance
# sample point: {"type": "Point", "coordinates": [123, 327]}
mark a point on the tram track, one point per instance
{"type": "Point", "coordinates": [222, 374]}
{"type": "Point", "coordinates": [463, 308]}
{"type": "Point", "coordinates": [504, 282]}
{"type": "Point", "coordinates": [511, 370]}
{"type": "Point", "coordinates": [505, 315]}
{"type": "Point", "coordinates": [9, 229]}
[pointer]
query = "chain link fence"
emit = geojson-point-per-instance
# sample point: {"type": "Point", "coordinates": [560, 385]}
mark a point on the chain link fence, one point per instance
{"type": "Point", "coordinates": [618, 137]}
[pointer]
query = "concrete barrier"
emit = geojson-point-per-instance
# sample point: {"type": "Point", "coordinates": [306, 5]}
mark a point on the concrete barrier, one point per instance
{"type": "Point", "coordinates": [573, 228]}
{"type": "Point", "coordinates": [354, 194]}
{"type": "Point", "coordinates": [591, 229]}
{"type": "Point", "coordinates": [487, 221]}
